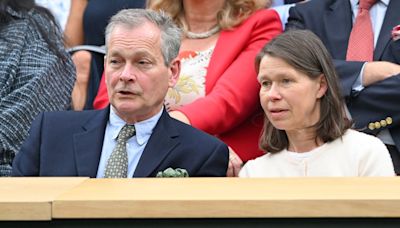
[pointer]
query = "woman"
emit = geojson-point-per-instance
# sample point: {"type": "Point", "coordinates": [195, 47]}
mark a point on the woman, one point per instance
{"type": "Point", "coordinates": [36, 74]}
{"type": "Point", "coordinates": [306, 132]}
{"type": "Point", "coordinates": [217, 90]}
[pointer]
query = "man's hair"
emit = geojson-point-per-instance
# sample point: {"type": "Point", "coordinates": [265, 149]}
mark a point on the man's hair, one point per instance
{"type": "Point", "coordinates": [304, 51]}
{"type": "Point", "coordinates": [170, 33]}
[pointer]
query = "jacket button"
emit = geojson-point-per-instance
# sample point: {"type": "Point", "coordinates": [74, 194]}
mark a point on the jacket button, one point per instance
{"type": "Point", "coordinates": [371, 126]}
{"type": "Point", "coordinates": [377, 125]}
{"type": "Point", "coordinates": [383, 123]}
{"type": "Point", "coordinates": [389, 120]}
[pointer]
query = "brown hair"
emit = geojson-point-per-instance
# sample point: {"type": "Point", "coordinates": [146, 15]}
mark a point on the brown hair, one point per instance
{"type": "Point", "coordinates": [233, 13]}
{"type": "Point", "coordinates": [304, 51]}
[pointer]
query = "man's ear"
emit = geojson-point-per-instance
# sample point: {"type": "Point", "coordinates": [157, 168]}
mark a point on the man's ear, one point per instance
{"type": "Point", "coordinates": [174, 70]}
{"type": "Point", "coordinates": [323, 86]}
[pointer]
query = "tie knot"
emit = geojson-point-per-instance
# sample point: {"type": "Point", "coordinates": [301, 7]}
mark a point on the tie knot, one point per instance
{"type": "Point", "coordinates": [366, 4]}
{"type": "Point", "coordinates": [126, 132]}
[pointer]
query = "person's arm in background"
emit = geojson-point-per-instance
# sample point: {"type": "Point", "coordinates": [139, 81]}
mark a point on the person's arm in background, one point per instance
{"type": "Point", "coordinates": [378, 99]}
{"type": "Point", "coordinates": [74, 36]}
{"type": "Point", "coordinates": [349, 72]}
{"type": "Point", "coordinates": [73, 32]}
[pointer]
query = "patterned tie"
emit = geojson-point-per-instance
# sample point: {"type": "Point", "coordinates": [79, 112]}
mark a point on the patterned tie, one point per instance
{"type": "Point", "coordinates": [361, 42]}
{"type": "Point", "coordinates": [117, 165]}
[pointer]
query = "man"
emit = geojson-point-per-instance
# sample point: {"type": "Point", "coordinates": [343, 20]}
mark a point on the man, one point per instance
{"type": "Point", "coordinates": [141, 65]}
{"type": "Point", "coordinates": [371, 88]}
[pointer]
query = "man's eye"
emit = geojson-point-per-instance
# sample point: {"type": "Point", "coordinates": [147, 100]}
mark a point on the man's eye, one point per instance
{"type": "Point", "coordinates": [113, 61]}
{"type": "Point", "coordinates": [286, 81]}
{"type": "Point", "coordinates": [143, 62]}
{"type": "Point", "coordinates": [265, 83]}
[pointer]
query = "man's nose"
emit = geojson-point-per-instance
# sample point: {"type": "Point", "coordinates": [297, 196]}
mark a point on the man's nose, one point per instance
{"type": "Point", "coordinates": [128, 74]}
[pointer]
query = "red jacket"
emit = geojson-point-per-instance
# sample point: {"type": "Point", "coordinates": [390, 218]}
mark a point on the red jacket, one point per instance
{"type": "Point", "coordinates": [231, 109]}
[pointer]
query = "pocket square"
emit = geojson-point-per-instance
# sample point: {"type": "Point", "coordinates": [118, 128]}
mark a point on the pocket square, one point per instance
{"type": "Point", "coordinates": [396, 32]}
{"type": "Point", "coordinates": [170, 172]}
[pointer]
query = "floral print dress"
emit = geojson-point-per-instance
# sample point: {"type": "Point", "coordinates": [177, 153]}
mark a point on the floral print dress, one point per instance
{"type": "Point", "coordinates": [191, 83]}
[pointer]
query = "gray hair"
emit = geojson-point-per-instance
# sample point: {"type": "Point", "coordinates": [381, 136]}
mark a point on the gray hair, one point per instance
{"type": "Point", "coordinates": [170, 33]}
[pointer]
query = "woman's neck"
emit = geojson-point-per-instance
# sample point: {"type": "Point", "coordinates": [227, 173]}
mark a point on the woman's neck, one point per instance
{"type": "Point", "coordinates": [201, 15]}
{"type": "Point", "coordinates": [303, 140]}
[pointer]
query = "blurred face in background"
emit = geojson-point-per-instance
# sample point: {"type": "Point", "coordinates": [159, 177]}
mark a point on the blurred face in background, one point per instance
{"type": "Point", "coordinates": [136, 75]}
{"type": "Point", "coordinates": [290, 98]}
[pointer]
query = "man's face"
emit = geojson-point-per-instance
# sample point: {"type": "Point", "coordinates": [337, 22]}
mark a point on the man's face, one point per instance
{"type": "Point", "coordinates": [136, 76]}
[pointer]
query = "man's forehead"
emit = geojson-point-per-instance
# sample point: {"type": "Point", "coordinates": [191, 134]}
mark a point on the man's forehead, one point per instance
{"type": "Point", "coordinates": [135, 36]}
{"type": "Point", "coordinates": [144, 29]}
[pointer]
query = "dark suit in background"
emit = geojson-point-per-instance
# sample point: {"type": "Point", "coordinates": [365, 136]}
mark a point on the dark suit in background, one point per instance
{"type": "Point", "coordinates": [376, 107]}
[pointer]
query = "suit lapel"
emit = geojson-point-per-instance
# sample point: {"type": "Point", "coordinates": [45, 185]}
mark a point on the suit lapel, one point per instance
{"type": "Point", "coordinates": [338, 24]}
{"type": "Point", "coordinates": [162, 141]}
{"type": "Point", "coordinates": [392, 18]}
{"type": "Point", "coordinates": [224, 54]}
{"type": "Point", "coordinates": [88, 143]}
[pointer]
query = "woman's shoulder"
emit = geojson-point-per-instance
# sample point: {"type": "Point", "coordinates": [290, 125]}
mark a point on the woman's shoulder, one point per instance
{"type": "Point", "coordinates": [260, 22]}
{"type": "Point", "coordinates": [359, 143]}
{"type": "Point", "coordinates": [356, 136]}
{"type": "Point", "coordinates": [43, 20]}
{"type": "Point", "coordinates": [265, 15]}
{"type": "Point", "coordinates": [26, 23]}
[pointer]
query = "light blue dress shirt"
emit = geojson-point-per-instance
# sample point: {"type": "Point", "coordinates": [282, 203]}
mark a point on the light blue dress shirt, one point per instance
{"type": "Point", "coordinates": [135, 145]}
{"type": "Point", "coordinates": [283, 12]}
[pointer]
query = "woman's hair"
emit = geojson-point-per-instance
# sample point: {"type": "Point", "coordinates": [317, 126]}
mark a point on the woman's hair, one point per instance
{"type": "Point", "coordinates": [233, 13]}
{"type": "Point", "coordinates": [25, 8]}
{"type": "Point", "coordinates": [305, 52]}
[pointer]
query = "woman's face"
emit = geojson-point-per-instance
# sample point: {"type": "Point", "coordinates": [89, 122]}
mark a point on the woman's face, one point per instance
{"type": "Point", "coordinates": [290, 99]}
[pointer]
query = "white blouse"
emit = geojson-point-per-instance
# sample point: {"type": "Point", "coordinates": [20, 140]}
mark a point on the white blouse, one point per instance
{"type": "Point", "coordinates": [355, 154]}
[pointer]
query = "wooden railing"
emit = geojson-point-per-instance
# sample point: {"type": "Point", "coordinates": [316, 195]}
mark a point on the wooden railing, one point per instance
{"type": "Point", "coordinates": [84, 198]}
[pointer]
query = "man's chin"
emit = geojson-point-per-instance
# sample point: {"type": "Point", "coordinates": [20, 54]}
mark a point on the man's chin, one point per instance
{"type": "Point", "coordinates": [125, 106]}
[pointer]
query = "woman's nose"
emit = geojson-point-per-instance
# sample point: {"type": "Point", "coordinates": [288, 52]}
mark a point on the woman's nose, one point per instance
{"type": "Point", "coordinates": [274, 93]}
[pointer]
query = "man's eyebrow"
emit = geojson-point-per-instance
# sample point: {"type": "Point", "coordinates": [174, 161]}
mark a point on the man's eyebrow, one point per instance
{"type": "Point", "coordinates": [134, 53]}
{"type": "Point", "coordinates": [262, 76]}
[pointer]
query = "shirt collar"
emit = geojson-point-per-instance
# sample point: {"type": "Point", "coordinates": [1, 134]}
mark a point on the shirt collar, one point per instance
{"type": "Point", "coordinates": [354, 3]}
{"type": "Point", "coordinates": [144, 128]}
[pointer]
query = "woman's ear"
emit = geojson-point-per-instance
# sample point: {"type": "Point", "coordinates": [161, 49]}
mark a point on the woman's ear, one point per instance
{"type": "Point", "coordinates": [323, 86]}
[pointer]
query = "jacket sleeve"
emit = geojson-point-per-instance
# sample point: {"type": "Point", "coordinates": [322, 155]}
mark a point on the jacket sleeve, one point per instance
{"type": "Point", "coordinates": [216, 164]}
{"type": "Point", "coordinates": [26, 162]}
{"type": "Point", "coordinates": [234, 96]}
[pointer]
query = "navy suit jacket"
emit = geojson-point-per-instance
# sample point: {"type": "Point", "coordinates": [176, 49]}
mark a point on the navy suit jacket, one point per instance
{"type": "Point", "coordinates": [331, 21]}
{"type": "Point", "coordinates": [70, 144]}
